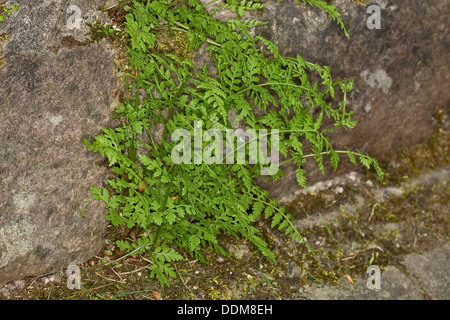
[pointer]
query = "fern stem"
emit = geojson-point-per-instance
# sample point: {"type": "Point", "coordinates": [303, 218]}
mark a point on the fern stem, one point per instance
{"type": "Point", "coordinates": [325, 153]}
{"type": "Point", "coordinates": [277, 84]}
{"type": "Point", "coordinates": [207, 40]}
{"type": "Point", "coordinates": [291, 224]}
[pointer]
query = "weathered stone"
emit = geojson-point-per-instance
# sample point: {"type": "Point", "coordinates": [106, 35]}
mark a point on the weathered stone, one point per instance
{"type": "Point", "coordinates": [401, 71]}
{"type": "Point", "coordinates": [51, 97]}
{"type": "Point", "coordinates": [428, 279]}
{"type": "Point", "coordinates": [432, 270]}
{"type": "Point", "coordinates": [394, 285]}
{"type": "Point", "coordinates": [239, 251]}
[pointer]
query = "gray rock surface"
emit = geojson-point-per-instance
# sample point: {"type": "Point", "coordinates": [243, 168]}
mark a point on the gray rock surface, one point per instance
{"type": "Point", "coordinates": [52, 95]}
{"type": "Point", "coordinates": [394, 285]}
{"type": "Point", "coordinates": [428, 278]}
{"type": "Point", "coordinates": [432, 270]}
{"type": "Point", "coordinates": [420, 274]}
{"type": "Point", "coordinates": [401, 71]}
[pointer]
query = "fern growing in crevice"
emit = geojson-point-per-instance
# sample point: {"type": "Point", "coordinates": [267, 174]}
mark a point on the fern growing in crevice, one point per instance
{"type": "Point", "coordinates": [186, 206]}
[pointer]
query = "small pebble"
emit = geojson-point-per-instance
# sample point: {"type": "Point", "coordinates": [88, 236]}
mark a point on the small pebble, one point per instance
{"type": "Point", "coordinates": [339, 190]}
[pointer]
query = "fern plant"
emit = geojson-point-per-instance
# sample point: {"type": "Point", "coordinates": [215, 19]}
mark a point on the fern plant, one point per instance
{"type": "Point", "coordinates": [185, 207]}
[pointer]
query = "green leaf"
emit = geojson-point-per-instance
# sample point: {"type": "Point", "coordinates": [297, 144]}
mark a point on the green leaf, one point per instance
{"type": "Point", "coordinates": [124, 245]}
{"type": "Point", "coordinates": [351, 157]}
{"type": "Point", "coordinates": [194, 242]}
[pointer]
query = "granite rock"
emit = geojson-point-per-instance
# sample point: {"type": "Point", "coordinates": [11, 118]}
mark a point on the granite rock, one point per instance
{"type": "Point", "coordinates": [52, 95]}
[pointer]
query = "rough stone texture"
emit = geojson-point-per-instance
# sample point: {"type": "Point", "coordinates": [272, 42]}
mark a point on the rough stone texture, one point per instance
{"type": "Point", "coordinates": [52, 95]}
{"type": "Point", "coordinates": [432, 270]}
{"type": "Point", "coordinates": [394, 285]}
{"type": "Point", "coordinates": [423, 274]}
{"type": "Point", "coordinates": [428, 279]}
{"type": "Point", "coordinates": [401, 71]}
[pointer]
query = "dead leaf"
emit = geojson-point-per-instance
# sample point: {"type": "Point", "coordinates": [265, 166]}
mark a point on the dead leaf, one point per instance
{"type": "Point", "coordinates": [350, 280]}
{"type": "Point", "coordinates": [110, 4]}
{"type": "Point", "coordinates": [115, 104]}
{"type": "Point", "coordinates": [132, 259]}
{"type": "Point", "coordinates": [156, 295]}
{"type": "Point", "coordinates": [127, 94]}
{"type": "Point", "coordinates": [114, 92]}
{"type": "Point", "coordinates": [120, 74]}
